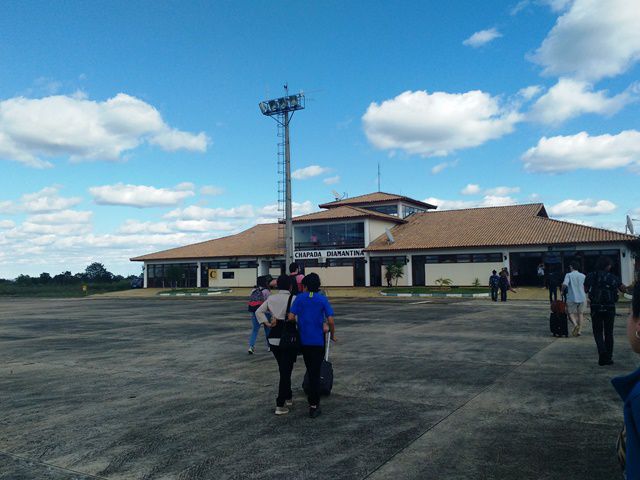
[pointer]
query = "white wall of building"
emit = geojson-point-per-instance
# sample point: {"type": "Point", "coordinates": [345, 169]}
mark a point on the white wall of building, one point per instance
{"type": "Point", "coordinates": [460, 273]}
{"type": "Point", "coordinates": [242, 277]}
{"type": "Point", "coordinates": [333, 276]}
{"type": "Point", "coordinates": [377, 228]}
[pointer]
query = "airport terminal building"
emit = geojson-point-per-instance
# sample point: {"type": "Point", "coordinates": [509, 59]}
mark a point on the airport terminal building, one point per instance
{"type": "Point", "coordinates": [351, 241]}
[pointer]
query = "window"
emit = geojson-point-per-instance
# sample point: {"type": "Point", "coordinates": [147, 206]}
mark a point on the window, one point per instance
{"type": "Point", "coordinates": [407, 210]}
{"type": "Point", "coordinates": [228, 275]}
{"type": "Point", "coordinates": [463, 258]}
{"type": "Point", "coordinates": [388, 209]}
{"type": "Point", "coordinates": [332, 236]}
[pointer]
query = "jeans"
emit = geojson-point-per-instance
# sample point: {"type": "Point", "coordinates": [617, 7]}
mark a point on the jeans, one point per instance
{"type": "Point", "coordinates": [503, 294]}
{"type": "Point", "coordinates": [603, 332]}
{"type": "Point", "coordinates": [256, 329]}
{"type": "Point", "coordinates": [553, 294]}
{"type": "Point", "coordinates": [285, 358]}
{"type": "Point", "coordinates": [313, 356]}
{"type": "Point", "coordinates": [494, 294]}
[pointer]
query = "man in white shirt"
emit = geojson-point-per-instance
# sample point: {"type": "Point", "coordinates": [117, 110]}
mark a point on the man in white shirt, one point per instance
{"type": "Point", "coordinates": [573, 287]}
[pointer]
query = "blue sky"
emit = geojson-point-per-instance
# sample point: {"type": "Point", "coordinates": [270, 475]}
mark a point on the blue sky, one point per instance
{"type": "Point", "coordinates": [131, 127]}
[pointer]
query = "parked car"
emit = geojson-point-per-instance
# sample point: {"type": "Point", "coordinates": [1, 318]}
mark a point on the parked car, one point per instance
{"type": "Point", "coordinates": [137, 282]}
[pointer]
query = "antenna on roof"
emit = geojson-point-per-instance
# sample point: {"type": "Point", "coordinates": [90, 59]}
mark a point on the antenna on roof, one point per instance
{"type": "Point", "coordinates": [338, 196]}
{"type": "Point", "coordinates": [629, 227]}
{"type": "Point", "coordinates": [378, 175]}
{"type": "Point", "coordinates": [390, 238]}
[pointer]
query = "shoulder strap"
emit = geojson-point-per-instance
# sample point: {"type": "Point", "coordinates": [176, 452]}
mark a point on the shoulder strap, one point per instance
{"type": "Point", "coordinates": [286, 314]}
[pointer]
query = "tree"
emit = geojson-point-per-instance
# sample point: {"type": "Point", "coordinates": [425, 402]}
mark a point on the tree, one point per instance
{"type": "Point", "coordinates": [97, 273]}
{"type": "Point", "coordinates": [45, 278]}
{"type": "Point", "coordinates": [394, 272]}
{"type": "Point", "coordinates": [24, 280]}
{"type": "Point", "coordinates": [65, 278]}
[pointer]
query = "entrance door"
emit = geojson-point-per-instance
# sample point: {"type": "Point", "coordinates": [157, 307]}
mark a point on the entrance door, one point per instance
{"type": "Point", "coordinates": [358, 273]}
{"type": "Point", "coordinates": [375, 271]}
{"type": "Point", "coordinates": [417, 270]}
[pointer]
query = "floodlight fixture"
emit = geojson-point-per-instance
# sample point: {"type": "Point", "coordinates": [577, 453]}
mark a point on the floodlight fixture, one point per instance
{"type": "Point", "coordinates": [279, 106]}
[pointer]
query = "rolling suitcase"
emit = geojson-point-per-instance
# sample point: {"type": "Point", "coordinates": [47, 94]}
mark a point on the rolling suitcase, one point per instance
{"type": "Point", "coordinates": [558, 319]}
{"type": "Point", "coordinates": [326, 373]}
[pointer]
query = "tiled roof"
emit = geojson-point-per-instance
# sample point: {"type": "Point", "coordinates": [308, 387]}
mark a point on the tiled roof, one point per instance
{"type": "Point", "coordinates": [377, 197]}
{"type": "Point", "coordinates": [261, 240]}
{"type": "Point", "coordinates": [490, 227]}
{"type": "Point", "coordinates": [345, 212]}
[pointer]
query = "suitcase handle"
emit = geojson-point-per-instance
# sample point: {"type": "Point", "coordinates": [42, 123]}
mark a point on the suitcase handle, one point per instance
{"type": "Point", "coordinates": [326, 350]}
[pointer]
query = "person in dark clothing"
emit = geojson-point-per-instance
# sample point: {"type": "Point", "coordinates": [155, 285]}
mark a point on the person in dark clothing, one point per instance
{"type": "Point", "coordinates": [310, 310]}
{"type": "Point", "coordinates": [603, 287]}
{"type": "Point", "coordinates": [503, 284]}
{"type": "Point", "coordinates": [494, 281]}
{"type": "Point", "coordinates": [553, 282]}
{"type": "Point", "coordinates": [295, 278]}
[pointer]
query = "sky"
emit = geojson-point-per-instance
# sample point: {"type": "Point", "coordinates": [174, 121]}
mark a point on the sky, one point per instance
{"type": "Point", "coordinates": [132, 127]}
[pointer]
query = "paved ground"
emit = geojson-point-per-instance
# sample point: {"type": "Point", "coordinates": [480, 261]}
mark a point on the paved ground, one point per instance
{"type": "Point", "coordinates": [163, 389]}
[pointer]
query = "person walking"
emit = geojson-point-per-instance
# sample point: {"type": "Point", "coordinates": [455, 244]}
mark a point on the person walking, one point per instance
{"type": "Point", "coordinates": [573, 287]}
{"type": "Point", "coordinates": [258, 295]}
{"type": "Point", "coordinates": [295, 278]}
{"type": "Point", "coordinates": [310, 310]}
{"type": "Point", "coordinates": [278, 305]}
{"type": "Point", "coordinates": [503, 284]}
{"type": "Point", "coordinates": [602, 287]}
{"type": "Point", "coordinates": [540, 274]}
{"type": "Point", "coordinates": [628, 387]}
{"type": "Point", "coordinates": [494, 285]}
{"type": "Point", "coordinates": [553, 282]}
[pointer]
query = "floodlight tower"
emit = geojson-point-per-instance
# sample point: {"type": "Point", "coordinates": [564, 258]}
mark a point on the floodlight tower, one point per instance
{"type": "Point", "coordinates": [282, 110]}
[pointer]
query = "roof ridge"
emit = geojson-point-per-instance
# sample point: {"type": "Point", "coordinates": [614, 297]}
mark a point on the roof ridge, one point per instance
{"type": "Point", "coordinates": [588, 226]}
{"type": "Point", "coordinates": [482, 208]}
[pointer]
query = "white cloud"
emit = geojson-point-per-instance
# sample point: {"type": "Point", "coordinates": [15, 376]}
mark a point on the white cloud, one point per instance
{"type": "Point", "coordinates": [573, 152]}
{"type": "Point", "coordinates": [331, 180]}
{"type": "Point", "coordinates": [486, 201]}
{"type": "Point", "coordinates": [211, 190]}
{"type": "Point", "coordinates": [140, 196]}
{"type": "Point", "coordinates": [84, 129]}
{"type": "Point", "coordinates": [64, 217]}
{"type": "Point", "coordinates": [4, 224]}
{"type": "Point", "coordinates": [437, 124]}
{"type": "Point", "coordinates": [271, 211]}
{"type": "Point", "coordinates": [46, 200]}
{"type": "Point", "coordinates": [592, 40]}
{"type": "Point", "coordinates": [309, 172]}
{"type": "Point", "coordinates": [582, 207]}
{"type": "Point", "coordinates": [133, 227]}
{"type": "Point", "coordinates": [482, 37]}
{"type": "Point", "coordinates": [471, 189]}
{"type": "Point", "coordinates": [501, 191]}
{"type": "Point", "coordinates": [436, 169]}
{"type": "Point", "coordinates": [530, 92]}
{"type": "Point", "coordinates": [203, 226]}
{"type": "Point", "coordinates": [195, 212]}
{"type": "Point", "coordinates": [569, 98]}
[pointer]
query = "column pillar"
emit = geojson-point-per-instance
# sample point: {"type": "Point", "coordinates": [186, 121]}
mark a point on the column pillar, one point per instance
{"type": "Point", "coordinates": [144, 274]}
{"type": "Point", "coordinates": [367, 269]}
{"type": "Point", "coordinates": [408, 271]}
{"type": "Point", "coordinates": [199, 276]}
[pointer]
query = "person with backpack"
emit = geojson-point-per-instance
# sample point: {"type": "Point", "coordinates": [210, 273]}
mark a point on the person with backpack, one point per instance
{"type": "Point", "coordinates": [278, 306]}
{"type": "Point", "coordinates": [494, 285]}
{"type": "Point", "coordinates": [310, 310]}
{"type": "Point", "coordinates": [603, 287]}
{"type": "Point", "coordinates": [295, 278]}
{"type": "Point", "coordinates": [257, 297]}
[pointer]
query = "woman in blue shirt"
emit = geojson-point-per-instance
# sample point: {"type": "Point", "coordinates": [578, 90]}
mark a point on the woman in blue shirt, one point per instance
{"type": "Point", "coordinates": [629, 389]}
{"type": "Point", "coordinates": [310, 310]}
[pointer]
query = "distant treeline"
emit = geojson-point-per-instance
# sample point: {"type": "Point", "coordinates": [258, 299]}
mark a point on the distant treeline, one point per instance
{"type": "Point", "coordinates": [94, 273]}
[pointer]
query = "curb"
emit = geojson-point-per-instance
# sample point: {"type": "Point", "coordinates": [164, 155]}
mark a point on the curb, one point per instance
{"type": "Point", "coordinates": [202, 294]}
{"type": "Point", "coordinates": [454, 295]}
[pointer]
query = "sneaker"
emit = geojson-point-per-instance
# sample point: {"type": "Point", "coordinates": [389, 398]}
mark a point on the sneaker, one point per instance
{"type": "Point", "coordinates": [288, 403]}
{"type": "Point", "coordinates": [282, 410]}
{"type": "Point", "coordinates": [314, 412]}
{"type": "Point", "coordinates": [576, 331]}
{"type": "Point", "coordinates": [250, 351]}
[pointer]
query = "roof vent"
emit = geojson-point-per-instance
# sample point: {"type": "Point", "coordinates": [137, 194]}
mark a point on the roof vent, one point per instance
{"type": "Point", "coordinates": [390, 238]}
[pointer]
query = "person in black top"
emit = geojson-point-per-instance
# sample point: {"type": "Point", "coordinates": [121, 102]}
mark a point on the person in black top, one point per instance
{"type": "Point", "coordinates": [603, 287]}
{"type": "Point", "coordinates": [553, 282]}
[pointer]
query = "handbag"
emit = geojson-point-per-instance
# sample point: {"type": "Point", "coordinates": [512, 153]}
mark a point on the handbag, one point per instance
{"type": "Point", "coordinates": [290, 337]}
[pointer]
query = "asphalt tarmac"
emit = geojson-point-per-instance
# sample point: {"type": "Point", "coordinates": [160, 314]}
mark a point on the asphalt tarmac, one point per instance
{"type": "Point", "coordinates": [164, 389]}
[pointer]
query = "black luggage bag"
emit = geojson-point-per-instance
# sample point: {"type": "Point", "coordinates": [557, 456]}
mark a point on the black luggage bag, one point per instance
{"type": "Point", "coordinates": [326, 373]}
{"type": "Point", "coordinates": [558, 319]}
